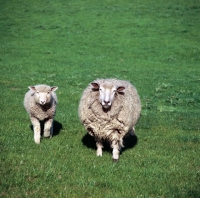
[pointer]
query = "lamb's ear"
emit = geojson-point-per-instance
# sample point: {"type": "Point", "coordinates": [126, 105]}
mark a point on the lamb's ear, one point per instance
{"type": "Point", "coordinates": [120, 89]}
{"type": "Point", "coordinates": [54, 88]}
{"type": "Point", "coordinates": [95, 86]}
{"type": "Point", "coordinates": [32, 88]}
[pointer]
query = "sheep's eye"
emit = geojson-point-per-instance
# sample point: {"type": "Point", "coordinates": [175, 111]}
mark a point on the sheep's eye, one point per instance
{"type": "Point", "coordinates": [48, 92]}
{"type": "Point", "coordinates": [38, 92]}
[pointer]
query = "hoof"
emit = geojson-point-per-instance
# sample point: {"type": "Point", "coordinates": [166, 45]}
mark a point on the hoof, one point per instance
{"type": "Point", "coordinates": [37, 142]}
{"type": "Point", "coordinates": [47, 136]}
{"type": "Point", "coordinates": [99, 154]}
{"type": "Point", "coordinates": [115, 160]}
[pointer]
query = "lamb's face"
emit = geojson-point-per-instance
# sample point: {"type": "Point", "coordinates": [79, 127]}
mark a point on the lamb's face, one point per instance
{"type": "Point", "coordinates": [43, 94]}
{"type": "Point", "coordinates": [43, 97]}
{"type": "Point", "coordinates": [107, 93]}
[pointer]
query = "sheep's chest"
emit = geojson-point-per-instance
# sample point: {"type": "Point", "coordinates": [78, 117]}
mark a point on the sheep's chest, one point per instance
{"type": "Point", "coordinates": [43, 112]}
{"type": "Point", "coordinates": [104, 128]}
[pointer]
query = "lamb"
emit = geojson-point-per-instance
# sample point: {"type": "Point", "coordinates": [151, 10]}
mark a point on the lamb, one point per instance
{"type": "Point", "coordinates": [109, 110]}
{"type": "Point", "coordinates": [40, 103]}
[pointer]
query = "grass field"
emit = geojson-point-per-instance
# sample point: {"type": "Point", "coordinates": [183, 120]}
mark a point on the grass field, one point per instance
{"type": "Point", "coordinates": [153, 44]}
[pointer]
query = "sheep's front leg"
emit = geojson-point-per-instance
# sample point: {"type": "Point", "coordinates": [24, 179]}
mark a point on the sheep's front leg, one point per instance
{"type": "Point", "coordinates": [116, 149]}
{"type": "Point", "coordinates": [99, 147]}
{"type": "Point", "coordinates": [48, 128]}
{"type": "Point", "coordinates": [36, 128]}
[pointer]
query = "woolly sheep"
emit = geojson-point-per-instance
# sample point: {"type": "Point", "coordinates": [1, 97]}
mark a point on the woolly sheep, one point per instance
{"type": "Point", "coordinates": [109, 109]}
{"type": "Point", "coordinates": [40, 103]}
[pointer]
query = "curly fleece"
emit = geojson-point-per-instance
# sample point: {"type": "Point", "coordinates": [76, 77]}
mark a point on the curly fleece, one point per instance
{"type": "Point", "coordinates": [115, 123]}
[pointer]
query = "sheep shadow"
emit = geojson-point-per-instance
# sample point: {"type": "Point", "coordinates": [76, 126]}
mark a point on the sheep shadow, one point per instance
{"type": "Point", "coordinates": [57, 127]}
{"type": "Point", "coordinates": [128, 141]}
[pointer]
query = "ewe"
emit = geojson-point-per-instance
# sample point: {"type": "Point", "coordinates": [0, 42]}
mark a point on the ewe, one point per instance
{"type": "Point", "coordinates": [40, 103]}
{"type": "Point", "coordinates": [109, 109]}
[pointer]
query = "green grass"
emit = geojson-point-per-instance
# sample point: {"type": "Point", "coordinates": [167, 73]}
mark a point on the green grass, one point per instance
{"type": "Point", "coordinates": [153, 44]}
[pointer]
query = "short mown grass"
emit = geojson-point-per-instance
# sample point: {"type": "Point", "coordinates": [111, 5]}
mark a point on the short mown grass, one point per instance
{"type": "Point", "coordinates": [153, 44]}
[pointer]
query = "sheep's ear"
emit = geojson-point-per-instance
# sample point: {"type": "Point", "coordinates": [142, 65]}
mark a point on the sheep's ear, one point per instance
{"type": "Point", "coordinates": [120, 89]}
{"type": "Point", "coordinates": [32, 88]}
{"type": "Point", "coordinates": [95, 86]}
{"type": "Point", "coordinates": [54, 88]}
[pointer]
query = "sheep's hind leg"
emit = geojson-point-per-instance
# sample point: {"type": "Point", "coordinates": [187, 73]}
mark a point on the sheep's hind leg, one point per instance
{"type": "Point", "coordinates": [132, 132]}
{"type": "Point", "coordinates": [121, 145]}
{"type": "Point", "coordinates": [48, 128]}
{"type": "Point", "coordinates": [99, 147]}
{"type": "Point", "coordinates": [36, 128]}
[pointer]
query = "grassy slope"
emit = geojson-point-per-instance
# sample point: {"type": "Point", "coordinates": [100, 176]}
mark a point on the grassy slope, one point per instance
{"type": "Point", "coordinates": [155, 45]}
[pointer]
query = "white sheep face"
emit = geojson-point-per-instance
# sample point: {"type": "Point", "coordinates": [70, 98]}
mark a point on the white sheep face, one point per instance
{"type": "Point", "coordinates": [107, 93]}
{"type": "Point", "coordinates": [43, 97]}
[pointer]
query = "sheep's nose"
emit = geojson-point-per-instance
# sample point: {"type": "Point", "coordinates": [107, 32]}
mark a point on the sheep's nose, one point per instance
{"type": "Point", "coordinates": [106, 102]}
{"type": "Point", "coordinates": [42, 102]}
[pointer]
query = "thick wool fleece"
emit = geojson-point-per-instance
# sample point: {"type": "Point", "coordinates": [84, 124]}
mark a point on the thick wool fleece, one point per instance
{"type": "Point", "coordinates": [115, 123]}
{"type": "Point", "coordinates": [36, 110]}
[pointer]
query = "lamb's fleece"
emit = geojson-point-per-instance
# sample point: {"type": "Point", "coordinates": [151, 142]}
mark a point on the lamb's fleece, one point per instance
{"type": "Point", "coordinates": [40, 103]}
{"type": "Point", "coordinates": [121, 117]}
{"type": "Point", "coordinates": [32, 105]}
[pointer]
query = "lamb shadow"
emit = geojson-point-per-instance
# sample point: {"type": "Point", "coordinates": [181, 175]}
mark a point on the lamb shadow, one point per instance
{"type": "Point", "coordinates": [129, 142]}
{"type": "Point", "coordinates": [57, 127]}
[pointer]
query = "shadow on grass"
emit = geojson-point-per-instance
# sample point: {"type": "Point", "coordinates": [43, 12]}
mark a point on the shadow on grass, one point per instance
{"type": "Point", "coordinates": [57, 127]}
{"type": "Point", "coordinates": [128, 141]}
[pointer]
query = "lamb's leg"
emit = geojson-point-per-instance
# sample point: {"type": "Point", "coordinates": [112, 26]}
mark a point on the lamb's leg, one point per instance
{"type": "Point", "coordinates": [36, 127]}
{"type": "Point", "coordinates": [116, 149]}
{"type": "Point", "coordinates": [99, 147]}
{"type": "Point", "coordinates": [48, 128]}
